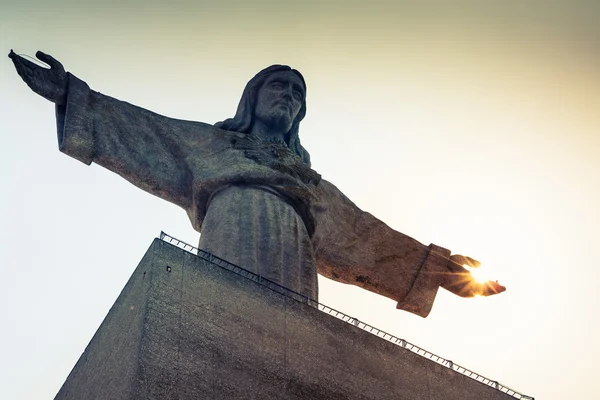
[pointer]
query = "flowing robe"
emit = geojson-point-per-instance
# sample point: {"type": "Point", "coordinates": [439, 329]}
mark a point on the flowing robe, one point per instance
{"type": "Point", "coordinates": [255, 203]}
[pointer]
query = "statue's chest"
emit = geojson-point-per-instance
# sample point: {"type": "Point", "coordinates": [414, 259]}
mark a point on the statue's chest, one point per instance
{"type": "Point", "coordinates": [275, 156]}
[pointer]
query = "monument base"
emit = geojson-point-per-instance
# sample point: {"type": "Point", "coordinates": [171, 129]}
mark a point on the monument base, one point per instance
{"type": "Point", "coordinates": [186, 328]}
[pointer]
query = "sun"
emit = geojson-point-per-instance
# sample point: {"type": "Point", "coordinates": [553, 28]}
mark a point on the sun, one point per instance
{"type": "Point", "coordinates": [482, 274]}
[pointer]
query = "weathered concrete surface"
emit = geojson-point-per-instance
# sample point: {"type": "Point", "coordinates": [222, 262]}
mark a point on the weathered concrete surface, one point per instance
{"type": "Point", "coordinates": [196, 331]}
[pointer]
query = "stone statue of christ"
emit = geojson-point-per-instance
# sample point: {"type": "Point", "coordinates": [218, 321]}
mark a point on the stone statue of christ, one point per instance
{"type": "Point", "coordinates": [247, 186]}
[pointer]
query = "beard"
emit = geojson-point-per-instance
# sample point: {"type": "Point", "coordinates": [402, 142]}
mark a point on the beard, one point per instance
{"type": "Point", "coordinates": [278, 119]}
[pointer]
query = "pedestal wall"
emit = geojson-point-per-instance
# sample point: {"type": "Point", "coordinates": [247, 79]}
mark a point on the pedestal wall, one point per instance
{"type": "Point", "coordinates": [184, 328]}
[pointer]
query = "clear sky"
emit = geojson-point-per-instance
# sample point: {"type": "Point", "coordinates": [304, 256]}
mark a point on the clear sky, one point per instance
{"type": "Point", "coordinates": [474, 126]}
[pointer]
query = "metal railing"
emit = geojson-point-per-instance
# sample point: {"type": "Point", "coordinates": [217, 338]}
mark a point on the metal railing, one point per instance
{"type": "Point", "coordinates": [340, 315]}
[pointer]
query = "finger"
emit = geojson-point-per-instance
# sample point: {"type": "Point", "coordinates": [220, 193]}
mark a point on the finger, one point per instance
{"type": "Point", "coordinates": [30, 73]}
{"type": "Point", "coordinates": [463, 260]}
{"type": "Point", "coordinates": [491, 287]}
{"type": "Point", "coordinates": [24, 68]}
{"type": "Point", "coordinates": [22, 62]}
{"type": "Point", "coordinates": [48, 59]}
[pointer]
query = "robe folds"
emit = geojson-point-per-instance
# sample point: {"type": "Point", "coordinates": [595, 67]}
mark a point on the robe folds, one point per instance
{"type": "Point", "coordinates": [256, 204]}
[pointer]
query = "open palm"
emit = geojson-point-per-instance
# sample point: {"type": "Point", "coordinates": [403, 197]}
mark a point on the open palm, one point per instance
{"type": "Point", "coordinates": [50, 83]}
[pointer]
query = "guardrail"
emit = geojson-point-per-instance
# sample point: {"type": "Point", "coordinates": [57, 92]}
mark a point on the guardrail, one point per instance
{"type": "Point", "coordinates": [344, 317]}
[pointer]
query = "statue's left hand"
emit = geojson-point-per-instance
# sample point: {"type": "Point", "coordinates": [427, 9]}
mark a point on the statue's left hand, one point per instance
{"type": "Point", "coordinates": [459, 280]}
{"type": "Point", "coordinates": [50, 83]}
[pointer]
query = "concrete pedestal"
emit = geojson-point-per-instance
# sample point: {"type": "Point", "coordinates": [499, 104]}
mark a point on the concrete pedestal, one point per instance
{"type": "Point", "coordinates": [184, 328]}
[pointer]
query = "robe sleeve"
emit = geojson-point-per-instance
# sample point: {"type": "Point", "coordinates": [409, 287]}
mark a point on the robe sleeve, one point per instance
{"type": "Point", "coordinates": [145, 148]}
{"type": "Point", "coordinates": [354, 247]}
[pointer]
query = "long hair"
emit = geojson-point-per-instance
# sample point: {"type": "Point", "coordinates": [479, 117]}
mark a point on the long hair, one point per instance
{"type": "Point", "coordinates": [243, 119]}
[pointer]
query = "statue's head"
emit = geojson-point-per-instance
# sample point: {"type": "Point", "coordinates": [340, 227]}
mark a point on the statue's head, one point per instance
{"type": "Point", "coordinates": [255, 103]}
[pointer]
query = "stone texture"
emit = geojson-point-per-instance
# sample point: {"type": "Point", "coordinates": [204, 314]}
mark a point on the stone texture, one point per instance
{"type": "Point", "coordinates": [247, 183]}
{"type": "Point", "coordinates": [197, 331]}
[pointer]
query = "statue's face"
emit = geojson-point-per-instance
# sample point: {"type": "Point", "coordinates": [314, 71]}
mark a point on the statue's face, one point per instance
{"type": "Point", "coordinates": [279, 100]}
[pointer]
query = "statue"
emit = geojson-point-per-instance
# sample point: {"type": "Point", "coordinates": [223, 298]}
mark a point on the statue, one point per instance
{"type": "Point", "coordinates": [247, 186]}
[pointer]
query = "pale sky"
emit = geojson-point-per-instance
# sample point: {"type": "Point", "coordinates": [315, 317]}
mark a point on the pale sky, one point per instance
{"type": "Point", "coordinates": [474, 126]}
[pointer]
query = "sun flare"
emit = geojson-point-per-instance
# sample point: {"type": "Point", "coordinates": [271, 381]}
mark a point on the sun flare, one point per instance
{"type": "Point", "coordinates": [482, 274]}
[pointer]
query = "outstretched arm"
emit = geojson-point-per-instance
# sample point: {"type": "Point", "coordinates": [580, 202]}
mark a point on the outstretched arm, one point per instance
{"type": "Point", "coordinates": [147, 149]}
{"type": "Point", "coordinates": [354, 247]}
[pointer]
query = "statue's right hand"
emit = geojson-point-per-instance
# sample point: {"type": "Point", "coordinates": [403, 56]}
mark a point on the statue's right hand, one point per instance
{"type": "Point", "coordinates": [50, 83]}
